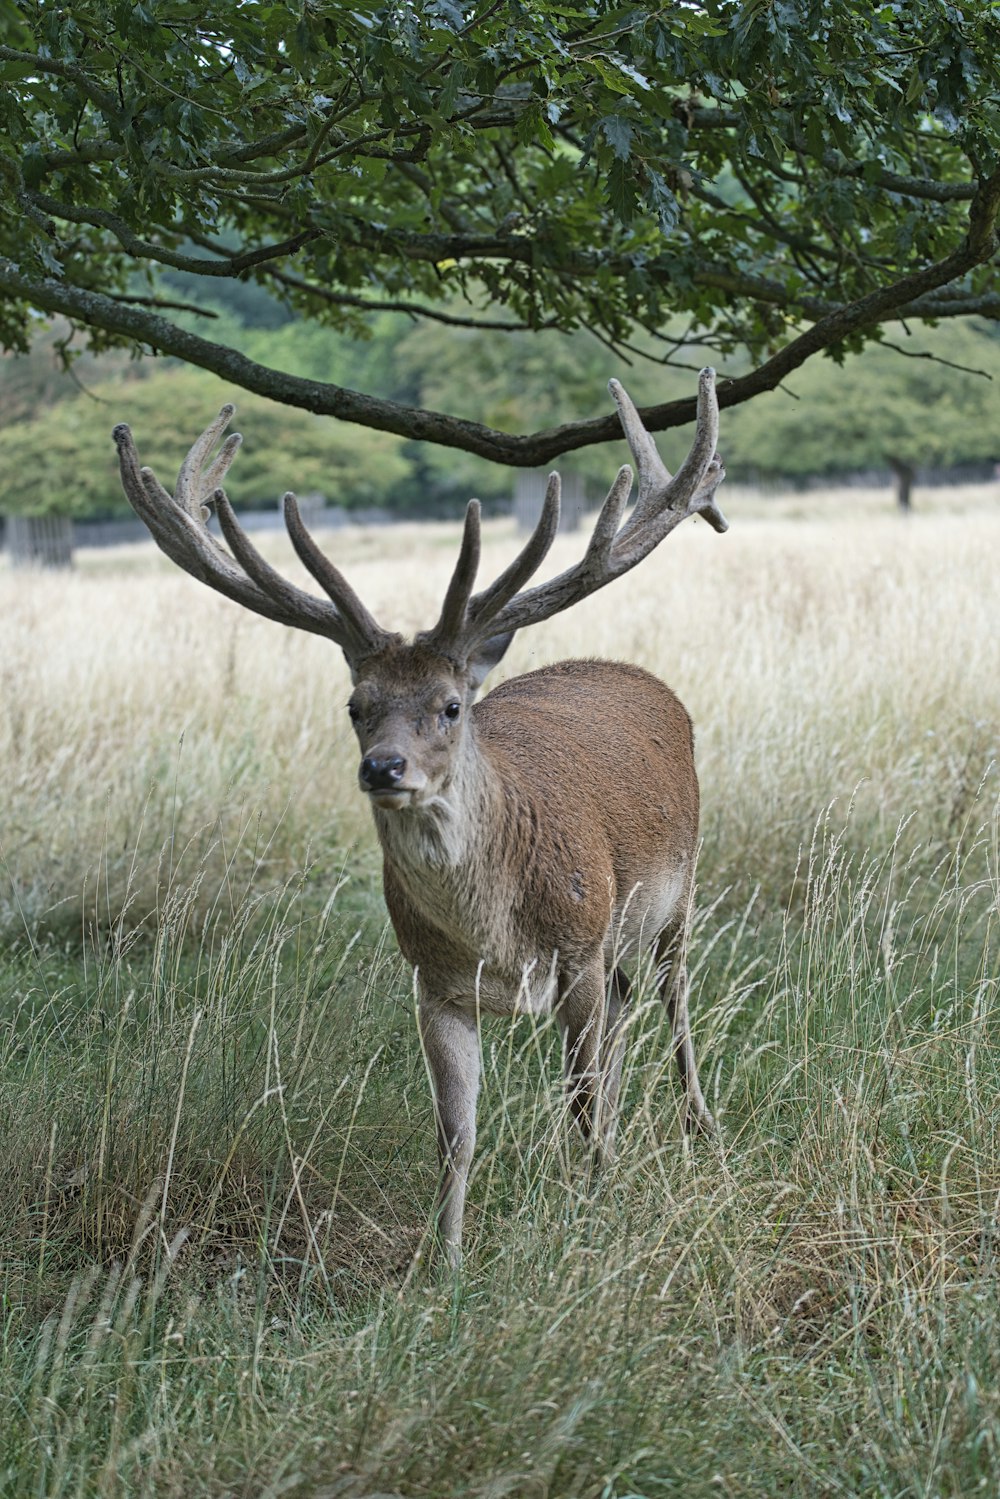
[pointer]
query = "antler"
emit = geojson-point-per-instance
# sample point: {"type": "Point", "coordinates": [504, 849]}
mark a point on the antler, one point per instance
{"type": "Point", "coordinates": [468, 621]}
{"type": "Point", "coordinates": [178, 526]}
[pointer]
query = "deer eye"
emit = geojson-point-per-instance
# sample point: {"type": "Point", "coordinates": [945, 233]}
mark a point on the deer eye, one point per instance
{"type": "Point", "coordinates": [452, 710]}
{"type": "Point", "coordinates": [354, 712]}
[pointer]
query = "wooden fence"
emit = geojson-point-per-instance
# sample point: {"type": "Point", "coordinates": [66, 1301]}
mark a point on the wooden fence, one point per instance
{"type": "Point", "coordinates": [529, 492]}
{"type": "Point", "coordinates": [39, 540]}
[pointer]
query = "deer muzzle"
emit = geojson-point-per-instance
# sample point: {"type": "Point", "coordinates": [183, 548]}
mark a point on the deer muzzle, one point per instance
{"type": "Point", "coordinates": [382, 772]}
{"type": "Point", "coordinates": [389, 779]}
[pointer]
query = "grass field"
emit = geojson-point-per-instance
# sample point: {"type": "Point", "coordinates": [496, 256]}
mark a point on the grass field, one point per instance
{"type": "Point", "coordinates": [218, 1156]}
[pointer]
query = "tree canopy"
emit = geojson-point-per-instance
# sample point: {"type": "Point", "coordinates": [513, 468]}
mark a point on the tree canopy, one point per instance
{"type": "Point", "coordinates": [772, 178]}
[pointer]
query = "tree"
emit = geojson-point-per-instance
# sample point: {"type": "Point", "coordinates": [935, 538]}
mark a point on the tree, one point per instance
{"type": "Point", "coordinates": [62, 463]}
{"type": "Point", "coordinates": [31, 383]}
{"type": "Point", "coordinates": [782, 175]}
{"type": "Point", "coordinates": [936, 408]}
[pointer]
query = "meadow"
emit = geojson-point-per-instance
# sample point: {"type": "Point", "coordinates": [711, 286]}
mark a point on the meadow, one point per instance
{"type": "Point", "coordinates": [217, 1144]}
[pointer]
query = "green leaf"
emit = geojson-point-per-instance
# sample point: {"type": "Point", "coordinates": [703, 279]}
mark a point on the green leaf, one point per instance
{"type": "Point", "coordinates": [533, 128]}
{"type": "Point", "coordinates": [735, 166]}
{"type": "Point", "coordinates": [663, 203]}
{"type": "Point", "coordinates": [617, 131]}
{"type": "Point", "coordinates": [621, 190]}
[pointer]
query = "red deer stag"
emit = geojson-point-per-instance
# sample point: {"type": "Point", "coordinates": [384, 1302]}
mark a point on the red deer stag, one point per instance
{"type": "Point", "coordinates": [532, 839]}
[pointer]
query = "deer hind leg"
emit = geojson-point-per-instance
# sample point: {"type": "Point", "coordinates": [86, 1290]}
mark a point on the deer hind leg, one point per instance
{"type": "Point", "coordinates": [671, 958]}
{"type": "Point", "coordinates": [451, 1048]}
{"type": "Point", "coordinates": [613, 1041]}
{"type": "Point", "coordinates": [590, 1015]}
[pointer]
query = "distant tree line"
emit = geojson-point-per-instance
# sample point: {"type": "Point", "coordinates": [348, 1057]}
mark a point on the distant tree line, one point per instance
{"type": "Point", "coordinates": [938, 407]}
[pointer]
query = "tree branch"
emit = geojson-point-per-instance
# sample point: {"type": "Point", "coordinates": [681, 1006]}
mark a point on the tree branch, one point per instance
{"type": "Point", "coordinates": [99, 311]}
{"type": "Point", "coordinates": [411, 309]}
{"type": "Point", "coordinates": [706, 118]}
{"type": "Point", "coordinates": [36, 63]}
{"type": "Point", "coordinates": [143, 249]}
{"type": "Point", "coordinates": [965, 369]}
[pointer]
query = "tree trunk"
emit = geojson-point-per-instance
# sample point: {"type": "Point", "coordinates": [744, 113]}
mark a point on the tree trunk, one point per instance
{"type": "Point", "coordinates": [905, 474]}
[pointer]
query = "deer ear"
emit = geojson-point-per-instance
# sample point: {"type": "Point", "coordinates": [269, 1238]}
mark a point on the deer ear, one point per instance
{"type": "Point", "coordinates": [486, 656]}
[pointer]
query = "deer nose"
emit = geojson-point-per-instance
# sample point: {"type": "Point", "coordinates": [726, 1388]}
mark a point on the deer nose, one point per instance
{"type": "Point", "coordinates": [382, 772]}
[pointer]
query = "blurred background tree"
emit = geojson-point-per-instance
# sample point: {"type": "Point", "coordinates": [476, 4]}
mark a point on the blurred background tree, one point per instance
{"type": "Point", "coordinates": [875, 410]}
{"type": "Point", "coordinates": [63, 462]}
{"type": "Point", "coordinates": [938, 407]}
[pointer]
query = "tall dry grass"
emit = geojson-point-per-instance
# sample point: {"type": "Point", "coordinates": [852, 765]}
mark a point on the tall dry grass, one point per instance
{"type": "Point", "coordinates": [220, 1173]}
{"type": "Point", "coordinates": [153, 731]}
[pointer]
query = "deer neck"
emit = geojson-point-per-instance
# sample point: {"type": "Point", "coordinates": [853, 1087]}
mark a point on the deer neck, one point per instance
{"type": "Point", "coordinates": [448, 836]}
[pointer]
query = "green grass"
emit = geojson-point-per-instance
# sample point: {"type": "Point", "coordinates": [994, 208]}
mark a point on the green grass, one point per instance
{"type": "Point", "coordinates": [219, 1165]}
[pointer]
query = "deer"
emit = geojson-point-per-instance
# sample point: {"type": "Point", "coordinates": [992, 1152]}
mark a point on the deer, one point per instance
{"type": "Point", "coordinates": [522, 869]}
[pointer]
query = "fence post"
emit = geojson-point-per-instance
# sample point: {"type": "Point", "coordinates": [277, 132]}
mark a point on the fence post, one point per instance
{"type": "Point", "coordinates": [529, 493]}
{"type": "Point", "coordinates": [40, 540]}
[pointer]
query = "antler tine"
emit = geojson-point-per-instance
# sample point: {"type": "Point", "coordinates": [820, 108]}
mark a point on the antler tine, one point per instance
{"type": "Point", "coordinates": [690, 477]}
{"type": "Point", "coordinates": [177, 525]}
{"type": "Point", "coordinates": [687, 491]}
{"type": "Point", "coordinates": [268, 580]}
{"type": "Point", "coordinates": [181, 534]}
{"type": "Point", "coordinates": [133, 483]}
{"type": "Point", "coordinates": [448, 631]}
{"type": "Point", "coordinates": [606, 530]}
{"type": "Point", "coordinates": [189, 493]}
{"type": "Point", "coordinates": [654, 476]}
{"type": "Point", "coordinates": [485, 606]}
{"type": "Point", "coordinates": [703, 501]}
{"type": "Point", "coordinates": [220, 467]}
{"type": "Point", "coordinates": [663, 502]}
{"type": "Point", "coordinates": [330, 578]}
{"type": "Point", "coordinates": [156, 508]}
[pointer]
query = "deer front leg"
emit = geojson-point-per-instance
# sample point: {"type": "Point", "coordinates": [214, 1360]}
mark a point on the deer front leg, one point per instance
{"type": "Point", "coordinates": [590, 1018]}
{"type": "Point", "coordinates": [451, 1047]}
